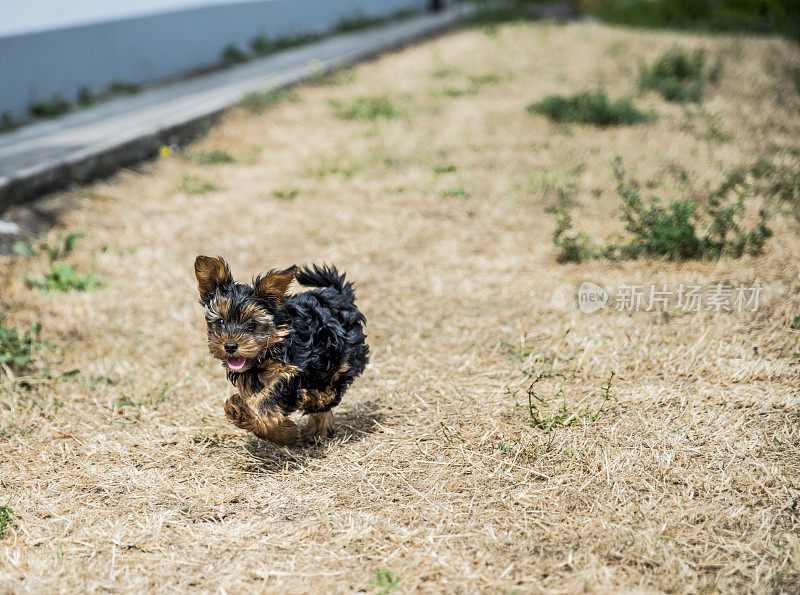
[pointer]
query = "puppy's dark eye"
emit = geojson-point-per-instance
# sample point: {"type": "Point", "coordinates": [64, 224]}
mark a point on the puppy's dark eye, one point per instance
{"type": "Point", "coordinates": [219, 322]}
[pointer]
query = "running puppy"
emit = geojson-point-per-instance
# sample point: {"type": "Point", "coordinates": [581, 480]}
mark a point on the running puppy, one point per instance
{"type": "Point", "coordinates": [283, 353]}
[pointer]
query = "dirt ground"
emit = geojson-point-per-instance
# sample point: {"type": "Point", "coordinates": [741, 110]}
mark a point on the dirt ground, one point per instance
{"type": "Point", "coordinates": [123, 474]}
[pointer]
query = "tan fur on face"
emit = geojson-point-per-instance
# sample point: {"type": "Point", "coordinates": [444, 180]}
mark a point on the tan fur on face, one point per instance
{"type": "Point", "coordinates": [218, 308]}
{"type": "Point", "coordinates": [249, 348]}
{"type": "Point", "coordinates": [254, 312]}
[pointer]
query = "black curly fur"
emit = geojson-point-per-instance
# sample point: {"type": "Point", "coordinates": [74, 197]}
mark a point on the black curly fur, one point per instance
{"type": "Point", "coordinates": [326, 333]}
{"type": "Point", "coordinates": [325, 345]}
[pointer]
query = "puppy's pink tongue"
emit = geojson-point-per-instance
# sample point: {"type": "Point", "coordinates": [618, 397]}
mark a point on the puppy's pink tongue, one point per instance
{"type": "Point", "coordinates": [236, 363]}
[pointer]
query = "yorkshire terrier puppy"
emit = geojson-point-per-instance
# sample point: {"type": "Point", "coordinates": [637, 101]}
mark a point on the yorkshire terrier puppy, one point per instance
{"type": "Point", "coordinates": [283, 353]}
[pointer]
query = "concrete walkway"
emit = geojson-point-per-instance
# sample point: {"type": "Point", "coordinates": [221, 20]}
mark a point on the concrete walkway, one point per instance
{"type": "Point", "coordinates": [97, 141]}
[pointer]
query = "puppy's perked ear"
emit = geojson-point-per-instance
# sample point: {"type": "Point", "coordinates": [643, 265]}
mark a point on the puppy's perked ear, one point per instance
{"type": "Point", "coordinates": [211, 273]}
{"type": "Point", "coordinates": [274, 285]}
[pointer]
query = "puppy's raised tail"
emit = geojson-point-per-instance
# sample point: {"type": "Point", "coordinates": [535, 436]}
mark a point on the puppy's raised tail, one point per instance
{"type": "Point", "coordinates": [324, 276]}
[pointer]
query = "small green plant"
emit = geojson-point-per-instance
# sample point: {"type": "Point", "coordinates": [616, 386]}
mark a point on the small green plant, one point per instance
{"type": "Point", "coordinates": [384, 581]}
{"type": "Point", "coordinates": [547, 414]}
{"type": "Point", "coordinates": [6, 519]}
{"type": "Point", "coordinates": [781, 182]}
{"type": "Point", "coordinates": [63, 278]}
{"type": "Point", "coordinates": [335, 167]}
{"type": "Point", "coordinates": [191, 184]}
{"type": "Point", "coordinates": [210, 157]}
{"type": "Point", "coordinates": [122, 87]}
{"type": "Point", "coordinates": [367, 108]}
{"type": "Point", "coordinates": [679, 76]}
{"type": "Point", "coordinates": [471, 86]}
{"type": "Point", "coordinates": [86, 97]}
{"type": "Point", "coordinates": [23, 248]}
{"type": "Point", "coordinates": [455, 193]}
{"type": "Point", "coordinates": [286, 194]}
{"type": "Point", "coordinates": [212, 439]}
{"type": "Point", "coordinates": [795, 326]}
{"type": "Point", "coordinates": [263, 45]}
{"type": "Point", "coordinates": [333, 78]}
{"type": "Point", "coordinates": [443, 73]}
{"type": "Point", "coordinates": [590, 108]}
{"type": "Point", "coordinates": [56, 106]}
{"type": "Point", "coordinates": [231, 54]}
{"type": "Point", "coordinates": [17, 348]}
{"type": "Point", "coordinates": [63, 246]}
{"type": "Point", "coordinates": [444, 169]}
{"type": "Point", "coordinates": [359, 20]}
{"type": "Point", "coordinates": [479, 80]}
{"type": "Point", "coordinates": [573, 246]}
{"type": "Point", "coordinates": [257, 101]}
{"type": "Point", "coordinates": [122, 402]}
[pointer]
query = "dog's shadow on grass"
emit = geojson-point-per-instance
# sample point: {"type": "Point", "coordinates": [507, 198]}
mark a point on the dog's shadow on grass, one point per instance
{"type": "Point", "coordinates": [352, 425]}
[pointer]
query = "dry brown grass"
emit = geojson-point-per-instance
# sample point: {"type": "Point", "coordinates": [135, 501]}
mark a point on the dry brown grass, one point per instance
{"type": "Point", "coordinates": [128, 477]}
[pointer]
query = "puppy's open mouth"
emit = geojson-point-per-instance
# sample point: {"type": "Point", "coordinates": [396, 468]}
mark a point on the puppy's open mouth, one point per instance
{"type": "Point", "coordinates": [236, 363]}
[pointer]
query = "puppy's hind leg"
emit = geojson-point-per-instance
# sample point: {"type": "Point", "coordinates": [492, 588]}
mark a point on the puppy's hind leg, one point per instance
{"type": "Point", "coordinates": [319, 425]}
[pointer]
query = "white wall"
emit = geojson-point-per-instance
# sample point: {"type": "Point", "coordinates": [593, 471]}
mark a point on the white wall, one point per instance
{"type": "Point", "coordinates": [28, 16]}
{"type": "Point", "coordinates": [144, 47]}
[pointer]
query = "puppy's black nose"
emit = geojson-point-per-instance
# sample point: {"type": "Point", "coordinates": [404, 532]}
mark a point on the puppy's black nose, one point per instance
{"type": "Point", "coordinates": [231, 347]}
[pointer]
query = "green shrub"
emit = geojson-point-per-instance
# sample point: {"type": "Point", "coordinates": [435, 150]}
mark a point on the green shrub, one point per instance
{"type": "Point", "coordinates": [677, 230]}
{"type": "Point", "coordinates": [367, 108]}
{"type": "Point", "coordinates": [17, 348]}
{"type": "Point", "coordinates": [262, 45]}
{"type": "Point", "coordinates": [86, 97]}
{"type": "Point", "coordinates": [679, 76]}
{"type": "Point", "coordinates": [590, 108]}
{"type": "Point", "coordinates": [231, 54]}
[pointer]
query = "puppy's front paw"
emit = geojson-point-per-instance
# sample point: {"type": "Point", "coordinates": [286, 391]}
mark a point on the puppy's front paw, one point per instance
{"type": "Point", "coordinates": [238, 412]}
